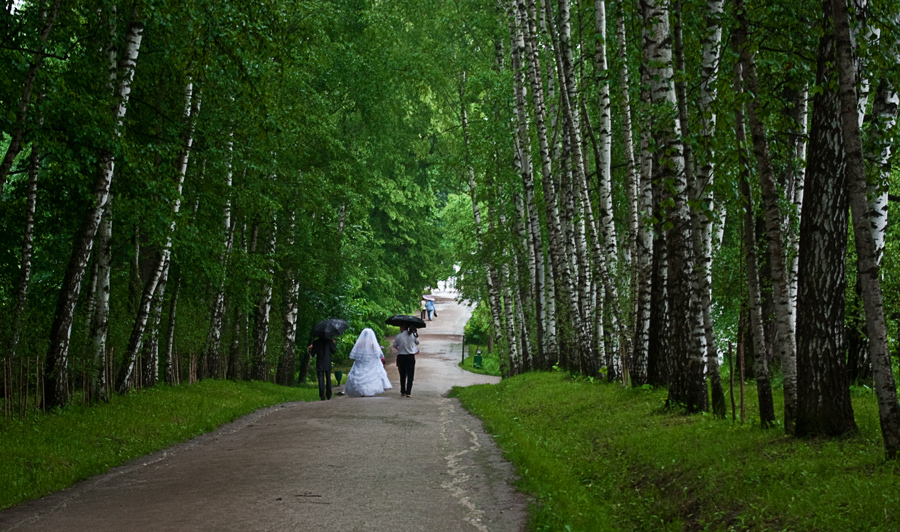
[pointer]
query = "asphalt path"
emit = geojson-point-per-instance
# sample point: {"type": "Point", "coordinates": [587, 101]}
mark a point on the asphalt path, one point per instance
{"type": "Point", "coordinates": [380, 463]}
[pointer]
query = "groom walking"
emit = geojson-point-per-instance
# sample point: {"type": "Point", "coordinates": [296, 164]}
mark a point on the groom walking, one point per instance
{"type": "Point", "coordinates": [405, 344]}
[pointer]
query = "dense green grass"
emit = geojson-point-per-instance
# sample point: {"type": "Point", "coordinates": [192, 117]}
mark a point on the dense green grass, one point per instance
{"type": "Point", "coordinates": [490, 364]}
{"type": "Point", "coordinates": [598, 457]}
{"type": "Point", "coordinates": [47, 453]}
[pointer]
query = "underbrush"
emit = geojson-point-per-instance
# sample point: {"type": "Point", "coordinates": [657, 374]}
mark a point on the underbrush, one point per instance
{"type": "Point", "coordinates": [599, 457]}
{"type": "Point", "coordinates": [46, 453]}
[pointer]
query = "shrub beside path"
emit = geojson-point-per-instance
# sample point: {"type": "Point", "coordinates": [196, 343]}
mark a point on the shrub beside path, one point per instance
{"type": "Point", "coordinates": [350, 464]}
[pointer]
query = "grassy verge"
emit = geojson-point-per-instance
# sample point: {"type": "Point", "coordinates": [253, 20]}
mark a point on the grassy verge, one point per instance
{"type": "Point", "coordinates": [598, 457]}
{"type": "Point", "coordinates": [490, 364]}
{"type": "Point", "coordinates": [44, 454]}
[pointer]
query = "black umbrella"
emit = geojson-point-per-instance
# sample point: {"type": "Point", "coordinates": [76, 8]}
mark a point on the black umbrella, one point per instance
{"type": "Point", "coordinates": [329, 328]}
{"type": "Point", "coordinates": [402, 319]}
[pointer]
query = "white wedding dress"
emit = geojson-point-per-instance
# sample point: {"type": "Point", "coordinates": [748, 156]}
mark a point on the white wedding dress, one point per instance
{"type": "Point", "coordinates": [367, 377]}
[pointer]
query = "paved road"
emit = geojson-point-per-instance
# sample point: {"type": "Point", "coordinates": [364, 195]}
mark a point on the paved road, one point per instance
{"type": "Point", "coordinates": [350, 464]}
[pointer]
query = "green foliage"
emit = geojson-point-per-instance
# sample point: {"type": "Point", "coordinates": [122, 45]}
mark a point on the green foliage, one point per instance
{"type": "Point", "coordinates": [600, 457]}
{"type": "Point", "coordinates": [52, 452]}
{"type": "Point", "coordinates": [478, 328]}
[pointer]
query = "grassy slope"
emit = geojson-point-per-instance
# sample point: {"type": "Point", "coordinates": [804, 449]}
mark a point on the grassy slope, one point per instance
{"type": "Point", "coordinates": [47, 453]}
{"type": "Point", "coordinates": [599, 457]}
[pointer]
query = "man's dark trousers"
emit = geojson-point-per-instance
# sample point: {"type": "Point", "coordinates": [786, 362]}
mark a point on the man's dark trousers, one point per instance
{"type": "Point", "coordinates": [324, 384]}
{"type": "Point", "coordinates": [406, 364]}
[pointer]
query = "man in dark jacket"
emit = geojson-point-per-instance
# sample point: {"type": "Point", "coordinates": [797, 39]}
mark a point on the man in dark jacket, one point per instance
{"type": "Point", "coordinates": [322, 349]}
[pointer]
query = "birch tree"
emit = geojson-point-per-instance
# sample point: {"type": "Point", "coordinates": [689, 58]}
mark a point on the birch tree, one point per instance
{"type": "Point", "coordinates": [56, 370]}
{"type": "Point", "coordinates": [866, 250]}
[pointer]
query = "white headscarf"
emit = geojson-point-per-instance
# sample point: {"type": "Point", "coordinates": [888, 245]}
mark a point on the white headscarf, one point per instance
{"type": "Point", "coordinates": [366, 345]}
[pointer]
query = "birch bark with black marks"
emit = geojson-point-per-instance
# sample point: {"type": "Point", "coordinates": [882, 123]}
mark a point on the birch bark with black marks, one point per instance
{"type": "Point", "coordinates": [694, 187]}
{"type": "Point", "coordinates": [784, 344]}
{"type": "Point", "coordinates": [526, 14]}
{"type": "Point", "coordinates": [210, 354]}
{"type": "Point", "coordinates": [823, 399]}
{"type": "Point", "coordinates": [26, 262]}
{"type": "Point", "coordinates": [604, 132]}
{"type": "Point", "coordinates": [702, 192]}
{"type": "Point", "coordinates": [866, 250]}
{"type": "Point", "coordinates": [100, 316]}
{"type": "Point", "coordinates": [760, 347]}
{"type": "Point", "coordinates": [263, 310]}
{"type": "Point", "coordinates": [171, 377]}
{"type": "Point", "coordinates": [56, 366]}
{"type": "Point", "coordinates": [285, 375]}
{"type": "Point", "coordinates": [535, 244]}
{"type": "Point", "coordinates": [191, 108]}
{"type": "Point", "coordinates": [494, 301]}
{"type": "Point", "coordinates": [632, 172]}
{"type": "Point", "coordinates": [687, 385]}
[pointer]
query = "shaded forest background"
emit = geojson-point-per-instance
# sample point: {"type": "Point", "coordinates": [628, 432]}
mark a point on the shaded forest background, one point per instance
{"type": "Point", "coordinates": [634, 191]}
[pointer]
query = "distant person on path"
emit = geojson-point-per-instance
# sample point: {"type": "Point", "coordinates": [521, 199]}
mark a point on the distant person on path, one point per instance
{"type": "Point", "coordinates": [422, 303]}
{"type": "Point", "coordinates": [429, 305]}
{"type": "Point", "coordinates": [367, 377]}
{"type": "Point", "coordinates": [322, 349]}
{"type": "Point", "coordinates": [405, 344]}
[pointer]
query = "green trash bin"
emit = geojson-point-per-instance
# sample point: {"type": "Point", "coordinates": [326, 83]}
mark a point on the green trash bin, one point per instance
{"type": "Point", "coordinates": [477, 362]}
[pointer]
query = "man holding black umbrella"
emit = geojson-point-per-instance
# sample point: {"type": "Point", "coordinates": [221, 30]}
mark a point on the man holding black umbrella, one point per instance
{"type": "Point", "coordinates": [322, 349]}
{"type": "Point", "coordinates": [405, 344]}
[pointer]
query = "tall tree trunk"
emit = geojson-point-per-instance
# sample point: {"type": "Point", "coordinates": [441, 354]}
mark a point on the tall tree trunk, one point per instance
{"type": "Point", "coordinates": [784, 343]}
{"type": "Point", "coordinates": [526, 16]}
{"type": "Point", "coordinates": [799, 177]}
{"type": "Point", "coordinates": [823, 400]}
{"type": "Point", "coordinates": [535, 242]}
{"type": "Point", "coordinates": [866, 251]}
{"type": "Point", "coordinates": [263, 310]}
{"type": "Point", "coordinates": [56, 383]}
{"type": "Point", "coordinates": [701, 192]}
{"type": "Point", "coordinates": [645, 258]}
{"type": "Point", "coordinates": [123, 383]}
{"type": "Point", "coordinates": [27, 250]}
{"type": "Point", "coordinates": [19, 126]}
{"type": "Point", "coordinates": [494, 301]}
{"type": "Point", "coordinates": [169, 356]}
{"type": "Point", "coordinates": [756, 329]}
{"type": "Point", "coordinates": [210, 354]}
{"type": "Point", "coordinates": [285, 374]}
{"type": "Point", "coordinates": [100, 319]}
{"type": "Point", "coordinates": [604, 164]}
{"type": "Point", "coordinates": [687, 385]}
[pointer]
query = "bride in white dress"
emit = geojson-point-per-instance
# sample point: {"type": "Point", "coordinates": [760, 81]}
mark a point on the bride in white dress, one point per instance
{"type": "Point", "coordinates": [367, 377]}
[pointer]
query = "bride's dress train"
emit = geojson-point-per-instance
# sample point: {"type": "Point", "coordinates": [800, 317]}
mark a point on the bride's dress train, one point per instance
{"type": "Point", "coordinates": [367, 377]}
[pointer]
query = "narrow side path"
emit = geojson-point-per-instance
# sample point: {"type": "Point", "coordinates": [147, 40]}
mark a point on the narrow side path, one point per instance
{"type": "Point", "coordinates": [349, 464]}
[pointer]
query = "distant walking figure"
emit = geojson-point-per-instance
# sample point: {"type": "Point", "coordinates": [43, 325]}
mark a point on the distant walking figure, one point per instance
{"type": "Point", "coordinates": [405, 344]}
{"type": "Point", "coordinates": [429, 305]}
{"type": "Point", "coordinates": [322, 349]}
{"type": "Point", "coordinates": [367, 377]}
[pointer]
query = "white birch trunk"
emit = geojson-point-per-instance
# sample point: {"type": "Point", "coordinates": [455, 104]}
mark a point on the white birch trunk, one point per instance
{"type": "Point", "coordinates": [633, 176]}
{"type": "Point", "coordinates": [210, 353]}
{"type": "Point", "coordinates": [797, 198]}
{"type": "Point", "coordinates": [535, 245]}
{"type": "Point", "coordinates": [192, 107]}
{"type": "Point", "coordinates": [687, 383]}
{"type": "Point", "coordinates": [784, 344]}
{"type": "Point", "coordinates": [604, 164]}
{"type": "Point", "coordinates": [867, 263]}
{"type": "Point", "coordinates": [291, 306]}
{"type": "Point", "coordinates": [760, 348]}
{"type": "Point", "coordinates": [56, 369]}
{"type": "Point", "coordinates": [263, 310]}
